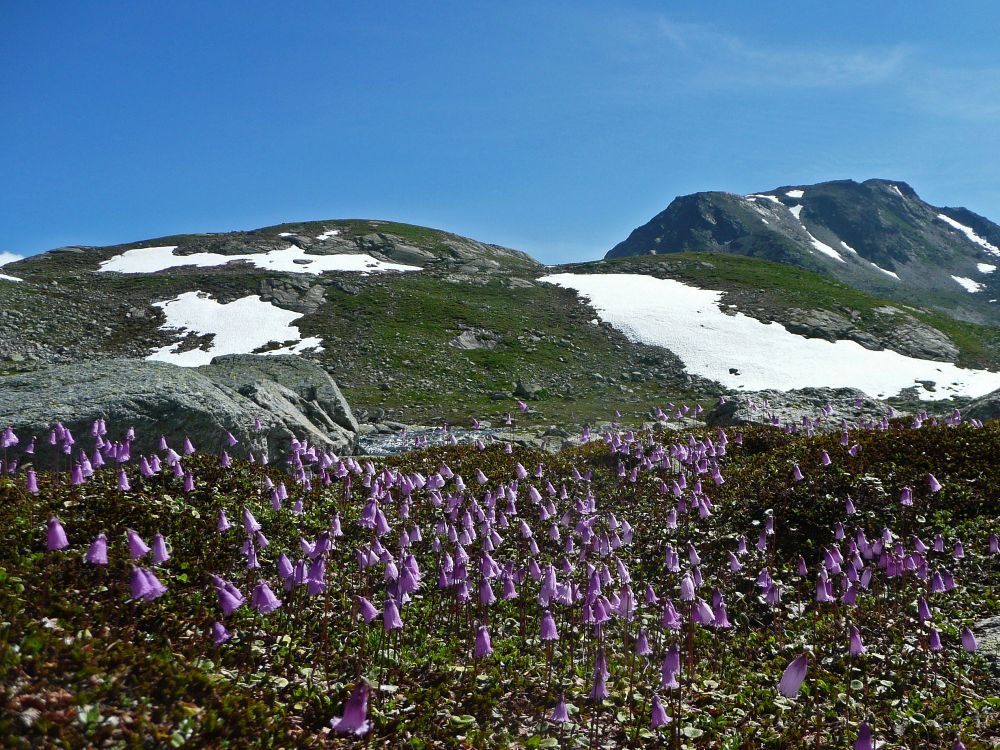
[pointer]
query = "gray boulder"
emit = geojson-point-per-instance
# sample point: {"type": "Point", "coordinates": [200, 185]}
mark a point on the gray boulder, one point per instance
{"type": "Point", "coordinates": [787, 407]}
{"type": "Point", "coordinates": [300, 294]}
{"type": "Point", "coordinates": [527, 390]}
{"type": "Point", "coordinates": [984, 408]}
{"type": "Point", "coordinates": [475, 338]}
{"type": "Point", "coordinates": [293, 397]}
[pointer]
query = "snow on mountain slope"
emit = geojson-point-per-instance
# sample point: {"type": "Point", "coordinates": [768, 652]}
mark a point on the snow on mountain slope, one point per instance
{"type": "Point", "coordinates": [968, 284]}
{"type": "Point", "coordinates": [742, 352]}
{"type": "Point", "coordinates": [290, 260]}
{"type": "Point", "coordinates": [971, 234]}
{"type": "Point", "coordinates": [239, 327]}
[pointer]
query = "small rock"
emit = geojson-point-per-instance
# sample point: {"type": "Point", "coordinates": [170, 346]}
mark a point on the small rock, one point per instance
{"type": "Point", "coordinates": [527, 390]}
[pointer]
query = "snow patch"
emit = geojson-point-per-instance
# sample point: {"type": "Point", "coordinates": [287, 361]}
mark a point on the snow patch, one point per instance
{"type": "Point", "coordinates": [328, 234]}
{"type": "Point", "coordinates": [152, 259]}
{"type": "Point", "coordinates": [239, 327]}
{"type": "Point", "coordinates": [970, 233]}
{"type": "Point", "coordinates": [5, 258]}
{"type": "Point", "coordinates": [968, 284]}
{"type": "Point", "coordinates": [885, 271]}
{"type": "Point", "coordinates": [897, 191]}
{"type": "Point", "coordinates": [848, 248]}
{"type": "Point", "coordinates": [986, 267]}
{"type": "Point", "coordinates": [688, 321]}
{"type": "Point", "coordinates": [771, 198]}
{"type": "Point", "coordinates": [821, 246]}
{"type": "Point", "coordinates": [824, 248]}
{"type": "Point", "coordinates": [795, 193]}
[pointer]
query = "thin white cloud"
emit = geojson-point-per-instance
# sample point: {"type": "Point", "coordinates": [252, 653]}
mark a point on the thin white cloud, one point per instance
{"type": "Point", "coordinates": [722, 60]}
{"type": "Point", "coordinates": [7, 257]}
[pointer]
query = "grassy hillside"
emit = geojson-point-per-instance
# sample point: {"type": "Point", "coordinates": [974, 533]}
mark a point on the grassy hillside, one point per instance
{"type": "Point", "coordinates": [389, 346]}
{"type": "Point", "coordinates": [388, 337]}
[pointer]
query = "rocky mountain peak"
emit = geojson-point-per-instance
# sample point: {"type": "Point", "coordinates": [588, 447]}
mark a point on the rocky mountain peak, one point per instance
{"type": "Point", "coordinates": [877, 236]}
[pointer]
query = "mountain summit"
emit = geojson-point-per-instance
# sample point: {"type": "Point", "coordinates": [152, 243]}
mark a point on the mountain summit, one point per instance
{"type": "Point", "coordinates": [878, 236]}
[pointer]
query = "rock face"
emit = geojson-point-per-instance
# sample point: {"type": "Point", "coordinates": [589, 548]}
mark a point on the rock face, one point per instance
{"type": "Point", "coordinates": [291, 396]}
{"type": "Point", "coordinates": [791, 407]}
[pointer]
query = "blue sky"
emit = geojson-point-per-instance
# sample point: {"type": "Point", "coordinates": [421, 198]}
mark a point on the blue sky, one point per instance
{"type": "Point", "coordinates": [551, 127]}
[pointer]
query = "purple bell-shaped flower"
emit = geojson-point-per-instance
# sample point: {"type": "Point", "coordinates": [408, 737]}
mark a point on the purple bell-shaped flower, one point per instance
{"type": "Point", "coordinates": [355, 717]}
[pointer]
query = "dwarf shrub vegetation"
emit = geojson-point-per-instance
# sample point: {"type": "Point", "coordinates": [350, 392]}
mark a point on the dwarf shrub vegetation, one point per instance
{"type": "Point", "coordinates": [607, 538]}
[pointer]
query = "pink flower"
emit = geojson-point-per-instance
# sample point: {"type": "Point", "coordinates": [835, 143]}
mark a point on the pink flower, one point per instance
{"type": "Point", "coordinates": [56, 535]}
{"type": "Point", "coordinates": [658, 717]}
{"type": "Point", "coordinates": [560, 714]}
{"type": "Point", "coordinates": [484, 646]}
{"type": "Point", "coordinates": [98, 552]}
{"type": "Point", "coordinates": [794, 676]}
{"type": "Point", "coordinates": [355, 717]}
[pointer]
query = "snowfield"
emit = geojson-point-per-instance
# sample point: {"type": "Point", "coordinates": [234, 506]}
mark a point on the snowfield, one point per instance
{"type": "Point", "coordinates": [240, 327]}
{"type": "Point", "coordinates": [687, 321]}
{"type": "Point", "coordinates": [290, 260]}
{"type": "Point", "coordinates": [5, 277]}
{"type": "Point", "coordinates": [986, 267]}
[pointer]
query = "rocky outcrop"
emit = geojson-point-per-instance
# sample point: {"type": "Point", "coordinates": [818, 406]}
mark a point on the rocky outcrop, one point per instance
{"type": "Point", "coordinates": [984, 408]}
{"type": "Point", "coordinates": [903, 333]}
{"type": "Point", "coordinates": [299, 293]}
{"type": "Point", "coordinates": [475, 338]}
{"type": "Point", "coordinates": [292, 397]}
{"type": "Point", "coordinates": [440, 249]}
{"type": "Point", "coordinates": [791, 407]}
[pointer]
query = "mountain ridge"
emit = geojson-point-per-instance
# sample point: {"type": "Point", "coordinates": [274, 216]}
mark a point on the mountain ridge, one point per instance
{"type": "Point", "coordinates": [420, 325]}
{"type": "Point", "coordinates": [877, 235]}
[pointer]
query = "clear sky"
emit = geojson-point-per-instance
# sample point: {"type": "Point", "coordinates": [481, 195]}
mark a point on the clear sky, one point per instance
{"type": "Point", "coordinates": [551, 127]}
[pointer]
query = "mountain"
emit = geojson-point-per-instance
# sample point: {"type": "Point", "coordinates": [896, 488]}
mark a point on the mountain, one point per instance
{"type": "Point", "coordinates": [414, 324]}
{"type": "Point", "coordinates": [877, 236]}
{"type": "Point", "coordinates": [419, 326]}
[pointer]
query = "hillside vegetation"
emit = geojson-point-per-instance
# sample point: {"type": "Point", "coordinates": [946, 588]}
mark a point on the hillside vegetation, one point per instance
{"type": "Point", "coordinates": [656, 638]}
